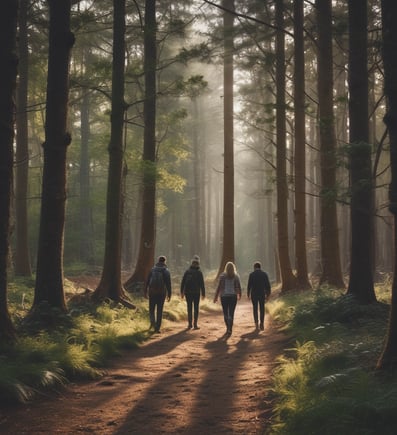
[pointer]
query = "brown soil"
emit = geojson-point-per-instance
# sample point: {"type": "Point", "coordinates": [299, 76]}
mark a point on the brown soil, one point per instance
{"type": "Point", "coordinates": [179, 382]}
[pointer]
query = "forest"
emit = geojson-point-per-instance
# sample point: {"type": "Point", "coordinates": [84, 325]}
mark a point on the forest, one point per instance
{"type": "Point", "coordinates": [236, 131]}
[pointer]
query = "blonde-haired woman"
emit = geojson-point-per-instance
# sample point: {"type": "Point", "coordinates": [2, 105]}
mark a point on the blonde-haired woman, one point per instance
{"type": "Point", "coordinates": [229, 289]}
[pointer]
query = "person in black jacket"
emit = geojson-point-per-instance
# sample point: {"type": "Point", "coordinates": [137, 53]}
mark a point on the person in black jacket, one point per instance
{"type": "Point", "coordinates": [258, 290]}
{"type": "Point", "coordinates": [157, 289]}
{"type": "Point", "coordinates": [192, 286]}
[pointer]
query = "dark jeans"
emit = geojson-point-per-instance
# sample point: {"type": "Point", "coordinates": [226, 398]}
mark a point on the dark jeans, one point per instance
{"type": "Point", "coordinates": [156, 305]}
{"type": "Point", "coordinates": [258, 301]}
{"type": "Point", "coordinates": [229, 306]}
{"type": "Point", "coordinates": [192, 302]}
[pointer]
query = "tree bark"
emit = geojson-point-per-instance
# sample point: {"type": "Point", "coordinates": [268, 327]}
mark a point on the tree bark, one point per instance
{"type": "Point", "coordinates": [110, 285]}
{"type": "Point", "coordinates": [361, 284]}
{"type": "Point", "coordinates": [288, 280]}
{"type": "Point", "coordinates": [8, 74]}
{"type": "Point", "coordinates": [148, 230]}
{"type": "Point", "coordinates": [228, 253]}
{"type": "Point", "coordinates": [388, 358]}
{"type": "Point", "coordinates": [300, 149]}
{"type": "Point", "coordinates": [86, 230]}
{"type": "Point", "coordinates": [49, 276]}
{"type": "Point", "coordinates": [330, 256]}
{"type": "Point", "coordinates": [22, 257]}
{"type": "Point", "coordinates": [197, 185]}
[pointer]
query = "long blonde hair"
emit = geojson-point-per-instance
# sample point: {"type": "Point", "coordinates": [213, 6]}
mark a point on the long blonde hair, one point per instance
{"type": "Point", "coordinates": [230, 269]}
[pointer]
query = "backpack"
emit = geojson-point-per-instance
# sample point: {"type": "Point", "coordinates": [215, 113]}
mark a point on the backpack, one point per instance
{"type": "Point", "coordinates": [156, 283]}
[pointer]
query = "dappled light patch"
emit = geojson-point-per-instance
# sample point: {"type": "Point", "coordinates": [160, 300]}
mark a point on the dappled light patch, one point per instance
{"type": "Point", "coordinates": [179, 380]}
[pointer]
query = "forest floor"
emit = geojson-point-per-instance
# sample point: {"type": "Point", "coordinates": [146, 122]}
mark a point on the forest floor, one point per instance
{"type": "Point", "coordinates": [178, 382]}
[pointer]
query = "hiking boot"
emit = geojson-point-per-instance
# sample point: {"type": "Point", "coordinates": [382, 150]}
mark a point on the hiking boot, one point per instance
{"type": "Point", "coordinates": [196, 327]}
{"type": "Point", "coordinates": [262, 327]}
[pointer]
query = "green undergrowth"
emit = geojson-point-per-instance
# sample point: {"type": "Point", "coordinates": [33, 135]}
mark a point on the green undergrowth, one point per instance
{"type": "Point", "coordinates": [80, 346]}
{"type": "Point", "coordinates": [326, 382]}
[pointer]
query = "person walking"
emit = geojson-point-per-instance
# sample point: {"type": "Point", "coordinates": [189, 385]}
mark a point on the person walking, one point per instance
{"type": "Point", "coordinates": [229, 290]}
{"type": "Point", "coordinates": [192, 286]}
{"type": "Point", "coordinates": [258, 290]}
{"type": "Point", "coordinates": [157, 289]}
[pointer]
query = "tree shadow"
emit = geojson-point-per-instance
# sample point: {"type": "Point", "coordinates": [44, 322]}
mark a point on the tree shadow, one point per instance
{"type": "Point", "coordinates": [204, 389]}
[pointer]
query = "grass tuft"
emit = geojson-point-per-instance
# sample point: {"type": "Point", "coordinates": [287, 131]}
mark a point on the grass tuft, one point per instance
{"type": "Point", "coordinates": [327, 384]}
{"type": "Point", "coordinates": [78, 347]}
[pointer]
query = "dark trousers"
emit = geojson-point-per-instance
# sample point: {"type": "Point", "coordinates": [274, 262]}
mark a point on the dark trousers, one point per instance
{"type": "Point", "coordinates": [193, 303]}
{"type": "Point", "coordinates": [229, 306]}
{"type": "Point", "coordinates": [258, 301]}
{"type": "Point", "coordinates": [156, 305]}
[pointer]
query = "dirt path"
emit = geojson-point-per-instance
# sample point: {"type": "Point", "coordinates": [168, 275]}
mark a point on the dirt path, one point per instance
{"type": "Point", "coordinates": [180, 382]}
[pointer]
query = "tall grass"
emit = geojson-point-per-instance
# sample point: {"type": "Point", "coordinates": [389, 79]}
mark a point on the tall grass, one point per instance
{"type": "Point", "coordinates": [80, 349]}
{"type": "Point", "coordinates": [326, 383]}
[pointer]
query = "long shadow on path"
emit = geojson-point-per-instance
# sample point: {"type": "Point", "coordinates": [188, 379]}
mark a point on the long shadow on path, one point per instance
{"type": "Point", "coordinates": [179, 382]}
{"type": "Point", "coordinates": [207, 384]}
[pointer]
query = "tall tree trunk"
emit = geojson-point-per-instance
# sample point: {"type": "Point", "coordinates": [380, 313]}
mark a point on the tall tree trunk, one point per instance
{"type": "Point", "coordinates": [110, 285]}
{"type": "Point", "coordinates": [261, 212]}
{"type": "Point", "coordinates": [330, 256]}
{"type": "Point", "coordinates": [22, 257]}
{"type": "Point", "coordinates": [342, 137]}
{"type": "Point", "coordinates": [8, 74]}
{"type": "Point", "coordinates": [300, 149]}
{"type": "Point", "coordinates": [228, 253]}
{"type": "Point", "coordinates": [49, 276]}
{"type": "Point", "coordinates": [388, 358]}
{"type": "Point", "coordinates": [361, 280]}
{"type": "Point", "coordinates": [313, 213]}
{"type": "Point", "coordinates": [202, 180]}
{"type": "Point", "coordinates": [86, 230]}
{"type": "Point", "coordinates": [288, 280]}
{"type": "Point", "coordinates": [197, 185]}
{"type": "Point", "coordinates": [148, 231]}
{"type": "Point", "coordinates": [373, 130]}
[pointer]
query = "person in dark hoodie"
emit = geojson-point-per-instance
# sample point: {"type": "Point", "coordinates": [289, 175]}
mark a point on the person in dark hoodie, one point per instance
{"type": "Point", "coordinates": [192, 287]}
{"type": "Point", "coordinates": [258, 290]}
{"type": "Point", "coordinates": [157, 289]}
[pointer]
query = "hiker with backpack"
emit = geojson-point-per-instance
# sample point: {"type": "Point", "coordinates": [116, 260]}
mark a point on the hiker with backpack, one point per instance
{"type": "Point", "coordinates": [192, 286]}
{"type": "Point", "coordinates": [258, 290]}
{"type": "Point", "coordinates": [157, 289]}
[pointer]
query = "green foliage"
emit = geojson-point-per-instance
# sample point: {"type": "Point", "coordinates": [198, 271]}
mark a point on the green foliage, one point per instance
{"type": "Point", "coordinates": [194, 86]}
{"type": "Point", "coordinates": [201, 51]}
{"type": "Point", "coordinates": [27, 367]}
{"type": "Point", "coordinates": [175, 310]}
{"type": "Point", "coordinates": [79, 349]}
{"type": "Point", "coordinates": [174, 182]}
{"type": "Point", "coordinates": [326, 383]}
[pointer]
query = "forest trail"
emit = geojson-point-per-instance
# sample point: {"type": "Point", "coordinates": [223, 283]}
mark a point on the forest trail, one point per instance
{"type": "Point", "coordinates": [178, 382]}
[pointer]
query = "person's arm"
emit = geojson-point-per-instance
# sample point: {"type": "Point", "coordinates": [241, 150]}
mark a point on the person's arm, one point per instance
{"type": "Point", "coordinates": [146, 290]}
{"type": "Point", "coordinates": [249, 286]}
{"type": "Point", "coordinates": [237, 286]}
{"type": "Point", "coordinates": [183, 285]}
{"type": "Point", "coordinates": [168, 283]}
{"type": "Point", "coordinates": [218, 289]}
{"type": "Point", "coordinates": [267, 286]}
{"type": "Point", "coordinates": [202, 285]}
